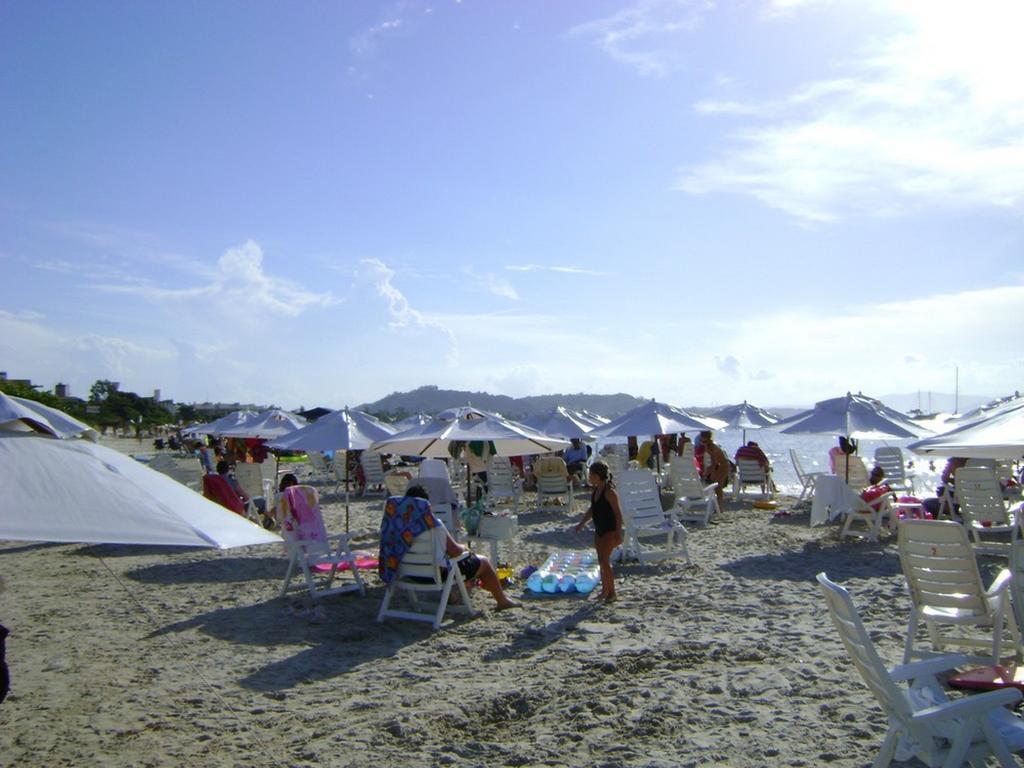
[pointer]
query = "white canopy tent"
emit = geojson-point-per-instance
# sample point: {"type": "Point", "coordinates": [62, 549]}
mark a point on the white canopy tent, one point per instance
{"type": "Point", "coordinates": [267, 425]}
{"type": "Point", "coordinates": [562, 422]}
{"type": "Point", "coordinates": [19, 413]}
{"type": "Point", "coordinates": [337, 431]}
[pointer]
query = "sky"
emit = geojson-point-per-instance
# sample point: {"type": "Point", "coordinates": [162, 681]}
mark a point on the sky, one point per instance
{"type": "Point", "coordinates": [320, 203]}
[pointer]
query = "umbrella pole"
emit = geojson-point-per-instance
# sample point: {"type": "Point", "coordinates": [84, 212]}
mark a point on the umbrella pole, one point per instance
{"type": "Point", "coordinates": [346, 491]}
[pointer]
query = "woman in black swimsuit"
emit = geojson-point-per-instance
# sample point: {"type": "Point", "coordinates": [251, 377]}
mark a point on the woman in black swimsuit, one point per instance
{"type": "Point", "coordinates": [607, 516]}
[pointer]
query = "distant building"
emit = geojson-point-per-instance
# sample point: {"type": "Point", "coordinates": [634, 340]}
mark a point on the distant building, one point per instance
{"type": "Point", "coordinates": [62, 391]}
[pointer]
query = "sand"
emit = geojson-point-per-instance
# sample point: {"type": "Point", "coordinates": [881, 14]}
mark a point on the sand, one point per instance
{"type": "Point", "coordinates": [147, 656]}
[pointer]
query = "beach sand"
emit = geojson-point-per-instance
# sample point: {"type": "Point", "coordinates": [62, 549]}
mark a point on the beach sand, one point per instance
{"type": "Point", "coordinates": [148, 656]}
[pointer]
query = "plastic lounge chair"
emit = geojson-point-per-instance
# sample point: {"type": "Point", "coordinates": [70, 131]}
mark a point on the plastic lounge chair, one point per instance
{"type": "Point", "coordinates": [923, 721]}
{"type": "Point", "coordinates": [319, 469]}
{"type": "Point", "coordinates": [890, 459]}
{"type": "Point", "coordinates": [424, 571]}
{"type": "Point", "coordinates": [644, 519]}
{"type": "Point", "coordinates": [217, 488]}
{"type": "Point", "coordinates": [807, 479]}
{"type": "Point", "coordinates": [250, 479]}
{"type": "Point", "coordinates": [444, 502]}
{"type": "Point", "coordinates": [750, 472]}
{"type": "Point", "coordinates": [695, 502]}
{"type": "Point", "coordinates": [983, 509]}
{"type": "Point", "coordinates": [309, 545]}
{"type": "Point", "coordinates": [874, 514]}
{"type": "Point", "coordinates": [852, 471]}
{"type": "Point", "coordinates": [373, 473]}
{"type": "Point", "coordinates": [552, 480]}
{"type": "Point", "coordinates": [945, 587]}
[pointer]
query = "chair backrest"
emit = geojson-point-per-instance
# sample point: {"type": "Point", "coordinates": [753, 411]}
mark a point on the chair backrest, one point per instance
{"type": "Point", "coordinates": [433, 468]}
{"type": "Point", "coordinates": [980, 496]}
{"type": "Point", "coordinates": [552, 474]}
{"type": "Point", "coordinates": [217, 488]}
{"type": "Point", "coordinates": [639, 498]}
{"type": "Point", "coordinates": [861, 649]}
{"type": "Point", "coordinates": [616, 463]}
{"type": "Point", "coordinates": [890, 459]}
{"type": "Point", "coordinates": [750, 472]}
{"type": "Point", "coordinates": [299, 512]}
{"type": "Point", "coordinates": [798, 466]}
{"type": "Point", "coordinates": [857, 476]}
{"type": "Point", "coordinates": [373, 467]}
{"type": "Point", "coordinates": [397, 481]}
{"type": "Point", "coordinates": [940, 566]}
{"type": "Point", "coordinates": [419, 561]}
{"type": "Point", "coordinates": [501, 481]}
{"type": "Point", "coordinates": [443, 500]}
{"type": "Point", "coordinates": [250, 478]}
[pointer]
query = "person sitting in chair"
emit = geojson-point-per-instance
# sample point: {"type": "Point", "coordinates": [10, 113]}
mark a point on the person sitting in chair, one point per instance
{"type": "Point", "coordinates": [714, 465]}
{"type": "Point", "coordinates": [472, 567]}
{"type": "Point", "coordinates": [576, 457]}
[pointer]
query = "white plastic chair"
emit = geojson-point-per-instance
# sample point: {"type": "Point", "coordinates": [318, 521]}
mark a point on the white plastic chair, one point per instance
{"type": "Point", "coordinates": [644, 519]}
{"type": "Point", "coordinates": [250, 479]}
{"type": "Point", "coordinates": [502, 483]}
{"type": "Point", "coordinates": [373, 473]}
{"type": "Point", "coordinates": [309, 546]}
{"type": "Point", "coordinates": [421, 573]}
{"type": "Point", "coordinates": [945, 587]}
{"type": "Point", "coordinates": [695, 502]}
{"type": "Point", "coordinates": [807, 479]}
{"type": "Point", "coordinates": [923, 721]}
{"type": "Point", "coordinates": [552, 477]}
{"type": "Point", "coordinates": [750, 472]}
{"type": "Point", "coordinates": [873, 514]}
{"type": "Point", "coordinates": [890, 459]}
{"type": "Point", "coordinates": [857, 475]}
{"type": "Point", "coordinates": [983, 509]}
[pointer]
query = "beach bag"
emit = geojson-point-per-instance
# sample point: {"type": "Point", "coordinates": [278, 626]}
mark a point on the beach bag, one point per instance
{"type": "Point", "coordinates": [471, 517]}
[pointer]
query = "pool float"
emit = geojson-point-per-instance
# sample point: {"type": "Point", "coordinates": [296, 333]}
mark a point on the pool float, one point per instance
{"type": "Point", "coordinates": [765, 504]}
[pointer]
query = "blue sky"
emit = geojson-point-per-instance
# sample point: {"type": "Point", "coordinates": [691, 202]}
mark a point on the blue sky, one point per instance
{"type": "Point", "coordinates": [322, 203]}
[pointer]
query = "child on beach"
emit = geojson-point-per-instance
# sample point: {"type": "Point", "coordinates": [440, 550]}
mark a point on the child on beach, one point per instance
{"type": "Point", "coordinates": [607, 516]}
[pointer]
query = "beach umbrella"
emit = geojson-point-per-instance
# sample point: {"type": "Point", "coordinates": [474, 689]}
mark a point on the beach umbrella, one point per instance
{"type": "Point", "coordinates": [416, 420]}
{"type": "Point", "coordinates": [19, 413]}
{"type": "Point", "coordinates": [744, 416]}
{"type": "Point", "coordinates": [343, 430]}
{"type": "Point", "coordinates": [999, 435]}
{"type": "Point", "coordinates": [228, 421]}
{"type": "Point", "coordinates": [654, 418]}
{"type": "Point", "coordinates": [266, 425]}
{"type": "Point", "coordinates": [78, 491]}
{"type": "Point", "coordinates": [337, 431]}
{"type": "Point", "coordinates": [855, 416]}
{"type": "Point", "coordinates": [562, 422]}
{"type": "Point", "coordinates": [468, 424]}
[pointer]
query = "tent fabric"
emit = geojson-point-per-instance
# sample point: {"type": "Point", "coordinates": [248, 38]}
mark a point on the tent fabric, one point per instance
{"type": "Point", "coordinates": [267, 425]}
{"type": "Point", "coordinates": [19, 412]}
{"type": "Point", "coordinates": [745, 416]}
{"type": "Point", "coordinates": [562, 422]}
{"type": "Point", "coordinates": [996, 436]}
{"type": "Point", "coordinates": [78, 491]}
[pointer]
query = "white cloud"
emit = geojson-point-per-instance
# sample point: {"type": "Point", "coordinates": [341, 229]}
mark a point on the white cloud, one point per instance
{"type": "Point", "coordinates": [238, 281]}
{"type": "Point", "coordinates": [728, 365]}
{"type": "Point", "coordinates": [932, 115]}
{"type": "Point", "coordinates": [402, 314]}
{"type": "Point", "coordinates": [554, 268]}
{"type": "Point", "coordinates": [647, 36]}
{"type": "Point", "coordinates": [493, 284]}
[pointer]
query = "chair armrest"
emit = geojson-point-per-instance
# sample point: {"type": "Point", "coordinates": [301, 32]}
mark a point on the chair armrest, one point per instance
{"type": "Point", "coordinates": [463, 556]}
{"type": "Point", "coordinates": [931, 666]}
{"type": "Point", "coordinates": [1000, 583]}
{"type": "Point", "coordinates": [710, 487]}
{"type": "Point", "coordinates": [974, 704]}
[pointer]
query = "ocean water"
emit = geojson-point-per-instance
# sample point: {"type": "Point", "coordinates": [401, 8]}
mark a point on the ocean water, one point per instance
{"type": "Point", "coordinates": [813, 453]}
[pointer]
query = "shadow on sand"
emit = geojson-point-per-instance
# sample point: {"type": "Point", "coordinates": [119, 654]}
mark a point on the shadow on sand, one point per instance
{"type": "Point", "coordinates": [873, 560]}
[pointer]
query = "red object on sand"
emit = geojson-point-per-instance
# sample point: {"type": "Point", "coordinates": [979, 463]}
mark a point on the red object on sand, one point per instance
{"type": "Point", "coordinates": [989, 678]}
{"type": "Point", "coordinates": [363, 563]}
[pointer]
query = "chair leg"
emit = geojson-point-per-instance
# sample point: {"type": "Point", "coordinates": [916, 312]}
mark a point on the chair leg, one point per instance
{"type": "Point", "coordinates": [388, 594]}
{"type": "Point", "coordinates": [888, 750]}
{"type": "Point", "coordinates": [288, 574]}
{"type": "Point", "coordinates": [908, 643]}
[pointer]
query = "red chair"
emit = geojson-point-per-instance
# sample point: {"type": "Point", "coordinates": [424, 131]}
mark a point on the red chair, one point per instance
{"type": "Point", "coordinates": [217, 488]}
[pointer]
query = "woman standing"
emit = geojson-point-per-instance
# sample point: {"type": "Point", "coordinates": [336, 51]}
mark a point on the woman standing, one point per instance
{"type": "Point", "coordinates": [607, 516]}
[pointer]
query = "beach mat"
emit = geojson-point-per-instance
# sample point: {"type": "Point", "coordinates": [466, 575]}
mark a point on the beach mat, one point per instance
{"type": "Point", "coordinates": [363, 563]}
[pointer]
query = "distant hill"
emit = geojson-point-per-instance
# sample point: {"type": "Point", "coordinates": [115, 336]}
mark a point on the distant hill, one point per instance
{"type": "Point", "coordinates": [430, 399]}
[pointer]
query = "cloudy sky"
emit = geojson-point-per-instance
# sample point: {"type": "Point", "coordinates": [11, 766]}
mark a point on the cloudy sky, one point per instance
{"type": "Point", "coordinates": [321, 203]}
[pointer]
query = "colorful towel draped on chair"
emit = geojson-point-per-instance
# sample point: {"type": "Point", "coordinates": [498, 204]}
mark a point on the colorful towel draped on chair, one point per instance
{"type": "Point", "coordinates": [301, 516]}
{"type": "Point", "coordinates": [404, 519]}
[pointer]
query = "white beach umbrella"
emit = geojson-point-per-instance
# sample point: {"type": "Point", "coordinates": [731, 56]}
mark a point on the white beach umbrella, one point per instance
{"type": "Point", "coordinates": [562, 422]}
{"type": "Point", "coordinates": [468, 424]}
{"type": "Point", "coordinates": [19, 413]}
{"type": "Point", "coordinates": [654, 418]}
{"type": "Point", "coordinates": [267, 425]}
{"type": "Point", "coordinates": [745, 416]}
{"type": "Point", "coordinates": [416, 420]}
{"type": "Point", "coordinates": [228, 421]}
{"type": "Point", "coordinates": [999, 435]}
{"type": "Point", "coordinates": [78, 491]}
{"type": "Point", "coordinates": [854, 416]}
{"type": "Point", "coordinates": [343, 430]}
